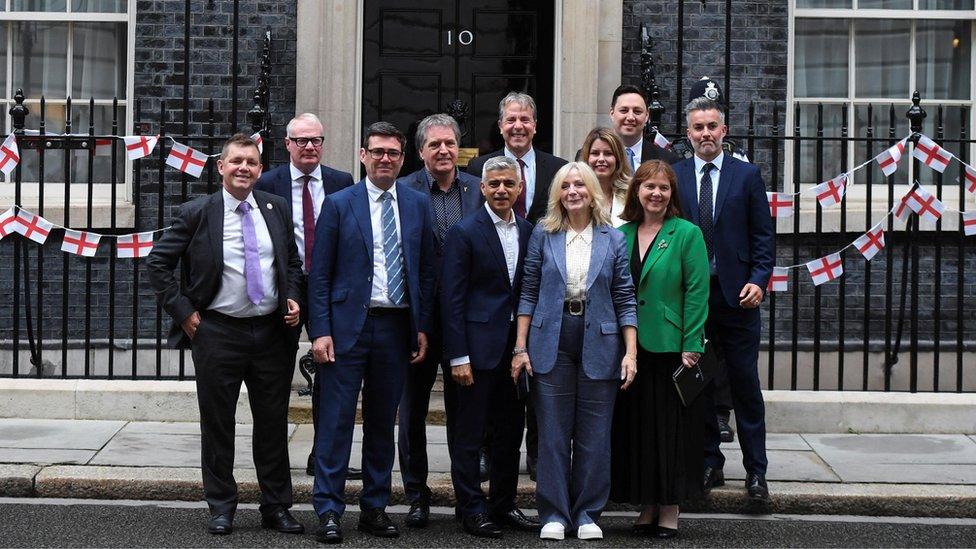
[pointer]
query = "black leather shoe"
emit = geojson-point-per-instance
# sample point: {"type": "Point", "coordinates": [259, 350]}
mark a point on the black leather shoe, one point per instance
{"type": "Point", "coordinates": [330, 528]}
{"type": "Point", "coordinates": [725, 432]}
{"type": "Point", "coordinates": [481, 525]}
{"type": "Point", "coordinates": [530, 465]}
{"type": "Point", "coordinates": [483, 465]}
{"type": "Point", "coordinates": [665, 533]}
{"type": "Point", "coordinates": [713, 477]}
{"type": "Point", "coordinates": [757, 488]}
{"type": "Point", "coordinates": [282, 521]}
{"type": "Point", "coordinates": [514, 518]}
{"type": "Point", "coordinates": [354, 473]}
{"type": "Point", "coordinates": [220, 525]}
{"type": "Point", "coordinates": [377, 523]}
{"type": "Point", "coordinates": [419, 514]}
{"type": "Point", "coordinates": [310, 466]}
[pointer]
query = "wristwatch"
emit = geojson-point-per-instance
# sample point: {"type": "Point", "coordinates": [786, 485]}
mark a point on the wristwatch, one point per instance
{"type": "Point", "coordinates": [519, 351]}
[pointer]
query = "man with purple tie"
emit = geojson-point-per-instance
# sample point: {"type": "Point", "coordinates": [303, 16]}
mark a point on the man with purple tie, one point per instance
{"type": "Point", "coordinates": [236, 310]}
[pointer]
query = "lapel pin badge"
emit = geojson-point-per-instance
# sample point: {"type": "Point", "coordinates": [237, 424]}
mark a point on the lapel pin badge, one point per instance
{"type": "Point", "coordinates": [270, 206]}
{"type": "Point", "coordinates": [662, 245]}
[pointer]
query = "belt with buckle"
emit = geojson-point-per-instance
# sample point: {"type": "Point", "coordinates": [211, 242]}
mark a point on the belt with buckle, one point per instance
{"type": "Point", "coordinates": [574, 307]}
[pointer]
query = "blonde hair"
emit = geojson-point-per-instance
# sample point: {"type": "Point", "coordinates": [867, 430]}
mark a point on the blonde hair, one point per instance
{"type": "Point", "coordinates": [622, 172]}
{"type": "Point", "coordinates": [556, 218]}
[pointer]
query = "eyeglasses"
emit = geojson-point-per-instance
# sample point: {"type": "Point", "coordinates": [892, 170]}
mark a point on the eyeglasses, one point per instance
{"type": "Point", "coordinates": [303, 142]}
{"type": "Point", "coordinates": [377, 154]}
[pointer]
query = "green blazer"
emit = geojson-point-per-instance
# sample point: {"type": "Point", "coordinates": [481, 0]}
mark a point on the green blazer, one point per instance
{"type": "Point", "coordinates": [672, 293]}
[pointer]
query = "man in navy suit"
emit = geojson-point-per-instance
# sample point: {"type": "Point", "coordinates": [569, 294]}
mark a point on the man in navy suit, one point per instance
{"type": "Point", "coordinates": [304, 183]}
{"type": "Point", "coordinates": [370, 310]}
{"type": "Point", "coordinates": [453, 195]}
{"type": "Point", "coordinates": [481, 284]}
{"type": "Point", "coordinates": [726, 198]}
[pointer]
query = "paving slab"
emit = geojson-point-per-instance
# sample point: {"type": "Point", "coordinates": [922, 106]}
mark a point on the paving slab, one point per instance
{"type": "Point", "coordinates": [45, 456]}
{"type": "Point", "coordinates": [65, 434]}
{"type": "Point", "coordinates": [185, 428]}
{"type": "Point", "coordinates": [775, 441]}
{"type": "Point", "coordinates": [784, 465]}
{"type": "Point", "coordinates": [921, 459]}
{"type": "Point", "coordinates": [165, 450]}
{"type": "Point", "coordinates": [17, 480]}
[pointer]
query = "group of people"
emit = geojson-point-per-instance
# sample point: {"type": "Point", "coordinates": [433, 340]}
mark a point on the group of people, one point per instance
{"type": "Point", "coordinates": [557, 295]}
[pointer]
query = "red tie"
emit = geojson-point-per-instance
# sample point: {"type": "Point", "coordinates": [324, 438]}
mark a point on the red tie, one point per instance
{"type": "Point", "coordinates": [308, 222]}
{"type": "Point", "coordinates": [520, 201]}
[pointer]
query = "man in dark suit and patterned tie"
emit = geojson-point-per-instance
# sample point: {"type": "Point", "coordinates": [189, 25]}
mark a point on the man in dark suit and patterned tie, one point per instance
{"type": "Point", "coordinates": [726, 198]}
{"type": "Point", "coordinates": [629, 114]}
{"type": "Point", "coordinates": [453, 194]}
{"type": "Point", "coordinates": [304, 183]}
{"type": "Point", "coordinates": [370, 298]}
{"type": "Point", "coordinates": [236, 311]}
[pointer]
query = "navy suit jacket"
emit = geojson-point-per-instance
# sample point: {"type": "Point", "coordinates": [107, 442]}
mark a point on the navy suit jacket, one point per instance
{"type": "Point", "coordinates": [342, 264]}
{"type": "Point", "coordinates": [477, 299]}
{"type": "Point", "coordinates": [278, 181]}
{"type": "Point", "coordinates": [546, 166]}
{"type": "Point", "coordinates": [743, 240]}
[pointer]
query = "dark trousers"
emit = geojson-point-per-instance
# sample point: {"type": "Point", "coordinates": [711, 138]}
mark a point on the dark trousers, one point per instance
{"type": "Point", "coordinates": [492, 401]}
{"type": "Point", "coordinates": [414, 405]}
{"type": "Point", "coordinates": [736, 332]}
{"type": "Point", "coordinates": [258, 352]}
{"type": "Point", "coordinates": [377, 364]}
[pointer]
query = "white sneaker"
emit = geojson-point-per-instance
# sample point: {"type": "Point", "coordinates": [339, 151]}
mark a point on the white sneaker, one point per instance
{"type": "Point", "coordinates": [589, 531]}
{"type": "Point", "coordinates": [552, 530]}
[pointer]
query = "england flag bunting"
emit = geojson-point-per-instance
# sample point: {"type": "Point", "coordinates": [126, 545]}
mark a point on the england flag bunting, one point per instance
{"type": "Point", "coordinates": [259, 141]}
{"type": "Point", "coordinates": [969, 223]}
{"type": "Point", "coordinates": [780, 281]}
{"type": "Point", "coordinates": [969, 176]}
{"type": "Point", "coordinates": [871, 242]}
{"type": "Point", "coordinates": [9, 155]}
{"type": "Point", "coordinates": [925, 204]}
{"type": "Point", "coordinates": [831, 192]}
{"type": "Point", "coordinates": [8, 223]}
{"type": "Point", "coordinates": [888, 160]}
{"type": "Point", "coordinates": [135, 245]}
{"type": "Point", "coordinates": [138, 146]}
{"type": "Point", "coordinates": [661, 141]}
{"type": "Point", "coordinates": [80, 242]}
{"type": "Point", "coordinates": [826, 269]}
{"type": "Point", "coordinates": [186, 159]}
{"type": "Point", "coordinates": [902, 211]}
{"type": "Point", "coordinates": [103, 147]}
{"type": "Point", "coordinates": [780, 204]}
{"type": "Point", "coordinates": [33, 227]}
{"type": "Point", "coordinates": [931, 154]}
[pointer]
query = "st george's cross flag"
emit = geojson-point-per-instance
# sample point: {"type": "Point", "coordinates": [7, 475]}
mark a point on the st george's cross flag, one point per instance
{"type": "Point", "coordinates": [830, 192]}
{"type": "Point", "coordinates": [925, 204]}
{"type": "Point", "coordinates": [931, 154]}
{"type": "Point", "coordinates": [259, 141]}
{"type": "Point", "coordinates": [661, 141]}
{"type": "Point", "coordinates": [902, 211]}
{"type": "Point", "coordinates": [969, 178]}
{"type": "Point", "coordinates": [825, 269]}
{"type": "Point", "coordinates": [33, 227]}
{"type": "Point", "coordinates": [779, 281]}
{"type": "Point", "coordinates": [969, 223]}
{"type": "Point", "coordinates": [80, 242]}
{"type": "Point", "coordinates": [888, 160]}
{"type": "Point", "coordinates": [9, 155]}
{"type": "Point", "coordinates": [134, 245]}
{"type": "Point", "coordinates": [780, 204]}
{"type": "Point", "coordinates": [138, 146]}
{"type": "Point", "coordinates": [186, 159]}
{"type": "Point", "coordinates": [103, 146]}
{"type": "Point", "coordinates": [870, 243]}
{"type": "Point", "coordinates": [8, 223]}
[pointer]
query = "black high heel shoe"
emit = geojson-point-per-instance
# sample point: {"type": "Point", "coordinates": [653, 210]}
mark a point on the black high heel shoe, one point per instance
{"type": "Point", "coordinates": [662, 532]}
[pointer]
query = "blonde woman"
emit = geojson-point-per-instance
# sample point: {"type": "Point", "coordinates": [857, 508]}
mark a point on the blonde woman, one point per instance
{"type": "Point", "coordinates": [604, 152]}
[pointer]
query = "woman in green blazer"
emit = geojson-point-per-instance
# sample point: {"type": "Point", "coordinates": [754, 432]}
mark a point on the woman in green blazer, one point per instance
{"type": "Point", "coordinates": [657, 452]}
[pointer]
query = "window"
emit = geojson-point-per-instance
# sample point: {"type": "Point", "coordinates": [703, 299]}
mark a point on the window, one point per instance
{"type": "Point", "coordinates": [848, 54]}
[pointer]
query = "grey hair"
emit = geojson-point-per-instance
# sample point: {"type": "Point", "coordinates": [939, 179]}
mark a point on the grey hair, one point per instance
{"type": "Point", "coordinates": [499, 163]}
{"type": "Point", "coordinates": [704, 104]}
{"type": "Point", "coordinates": [436, 121]}
{"type": "Point", "coordinates": [305, 116]}
{"type": "Point", "coordinates": [519, 98]}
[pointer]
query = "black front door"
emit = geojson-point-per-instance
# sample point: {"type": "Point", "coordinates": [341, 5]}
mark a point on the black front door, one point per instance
{"type": "Point", "coordinates": [418, 60]}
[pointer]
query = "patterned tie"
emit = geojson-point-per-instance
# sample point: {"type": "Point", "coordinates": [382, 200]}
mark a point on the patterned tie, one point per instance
{"type": "Point", "coordinates": [705, 221]}
{"type": "Point", "coordinates": [391, 250]}
{"type": "Point", "coordinates": [308, 222]}
{"type": "Point", "coordinates": [633, 159]}
{"type": "Point", "coordinates": [520, 201]}
{"type": "Point", "coordinates": [252, 261]}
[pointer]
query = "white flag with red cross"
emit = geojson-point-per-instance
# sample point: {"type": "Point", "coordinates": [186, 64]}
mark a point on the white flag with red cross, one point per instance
{"type": "Point", "coordinates": [826, 269]}
{"type": "Point", "coordinates": [779, 281]}
{"type": "Point", "coordinates": [902, 211]}
{"type": "Point", "coordinates": [931, 154]}
{"type": "Point", "coordinates": [925, 204]}
{"type": "Point", "coordinates": [888, 160]}
{"type": "Point", "coordinates": [138, 146]}
{"type": "Point", "coordinates": [871, 242]}
{"type": "Point", "coordinates": [259, 141]}
{"type": "Point", "coordinates": [186, 159]}
{"type": "Point", "coordinates": [780, 204]}
{"type": "Point", "coordinates": [9, 154]}
{"type": "Point", "coordinates": [661, 141]}
{"type": "Point", "coordinates": [969, 176]}
{"type": "Point", "coordinates": [969, 223]}
{"type": "Point", "coordinates": [134, 245]}
{"type": "Point", "coordinates": [33, 227]}
{"type": "Point", "coordinates": [831, 192]}
{"type": "Point", "coordinates": [80, 242]}
{"type": "Point", "coordinates": [8, 223]}
{"type": "Point", "coordinates": [103, 146]}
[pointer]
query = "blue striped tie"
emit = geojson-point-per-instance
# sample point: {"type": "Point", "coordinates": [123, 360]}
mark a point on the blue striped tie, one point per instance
{"type": "Point", "coordinates": [633, 158]}
{"type": "Point", "coordinates": [395, 284]}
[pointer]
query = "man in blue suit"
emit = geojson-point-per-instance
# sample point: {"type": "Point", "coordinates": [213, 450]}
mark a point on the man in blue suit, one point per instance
{"type": "Point", "coordinates": [370, 310]}
{"type": "Point", "coordinates": [480, 292]}
{"type": "Point", "coordinates": [726, 198]}
{"type": "Point", "coordinates": [453, 194]}
{"type": "Point", "coordinates": [304, 183]}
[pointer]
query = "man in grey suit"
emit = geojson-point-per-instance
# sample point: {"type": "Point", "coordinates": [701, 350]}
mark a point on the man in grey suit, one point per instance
{"type": "Point", "coordinates": [236, 311]}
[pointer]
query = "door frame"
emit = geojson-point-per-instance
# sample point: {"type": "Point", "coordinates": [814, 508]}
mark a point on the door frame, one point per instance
{"type": "Point", "coordinates": [329, 50]}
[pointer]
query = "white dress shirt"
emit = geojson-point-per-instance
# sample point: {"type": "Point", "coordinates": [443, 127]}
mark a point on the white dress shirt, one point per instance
{"type": "Point", "coordinates": [529, 159]}
{"type": "Point", "coordinates": [317, 190]}
{"type": "Point", "coordinates": [231, 298]}
{"type": "Point", "coordinates": [378, 296]}
{"type": "Point", "coordinates": [616, 208]}
{"type": "Point", "coordinates": [578, 248]}
{"type": "Point", "coordinates": [638, 149]}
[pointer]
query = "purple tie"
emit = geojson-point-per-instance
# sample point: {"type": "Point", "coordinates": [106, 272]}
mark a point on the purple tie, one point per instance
{"type": "Point", "coordinates": [252, 261]}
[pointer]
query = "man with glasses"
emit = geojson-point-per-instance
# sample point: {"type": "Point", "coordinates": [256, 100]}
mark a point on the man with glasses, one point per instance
{"type": "Point", "coordinates": [304, 183]}
{"type": "Point", "coordinates": [370, 305]}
